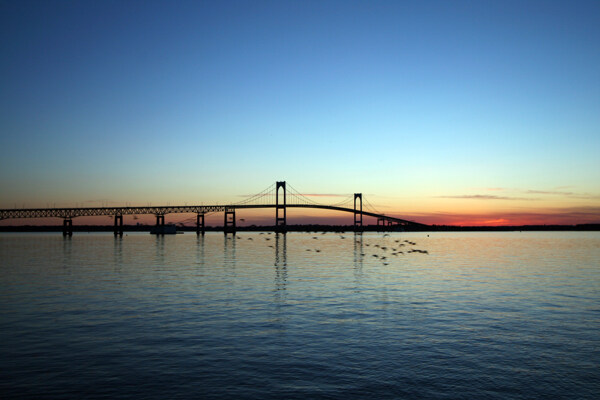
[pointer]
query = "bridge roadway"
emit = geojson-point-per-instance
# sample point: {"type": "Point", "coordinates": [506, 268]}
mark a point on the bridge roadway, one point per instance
{"type": "Point", "coordinates": [68, 213]}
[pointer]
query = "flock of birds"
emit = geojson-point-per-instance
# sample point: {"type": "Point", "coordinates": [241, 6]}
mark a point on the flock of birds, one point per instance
{"type": "Point", "coordinates": [385, 252]}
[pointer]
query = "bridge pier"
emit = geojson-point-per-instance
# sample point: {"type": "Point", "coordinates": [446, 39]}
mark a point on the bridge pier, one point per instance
{"type": "Point", "coordinates": [358, 216]}
{"type": "Point", "coordinates": [200, 223]}
{"type": "Point", "coordinates": [229, 221]}
{"type": "Point", "coordinates": [68, 227]}
{"type": "Point", "coordinates": [280, 221]}
{"type": "Point", "coordinates": [118, 231]}
{"type": "Point", "coordinates": [380, 221]}
{"type": "Point", "coordinates": [160, 222]}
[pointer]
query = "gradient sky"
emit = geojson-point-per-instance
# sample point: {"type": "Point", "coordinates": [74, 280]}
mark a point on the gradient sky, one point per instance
{"type": "Point", "coordinates": [474, 112]}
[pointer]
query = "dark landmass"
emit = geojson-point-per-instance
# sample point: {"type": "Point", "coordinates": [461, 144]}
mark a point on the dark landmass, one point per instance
{"type": "Point", "coordinates": [313, 228]}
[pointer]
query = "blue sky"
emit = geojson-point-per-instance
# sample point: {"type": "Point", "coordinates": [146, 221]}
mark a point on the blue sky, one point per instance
{"type": "Point", "coordinates": [415, 103]}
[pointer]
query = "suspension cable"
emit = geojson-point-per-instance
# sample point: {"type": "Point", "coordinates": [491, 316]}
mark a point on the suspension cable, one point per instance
{"type": "Point", "coordinates": [300, 196]}
{"type": "Point", "coordinates": [265, 193]}
{"type": "Point", "coordinates": [371, 207]}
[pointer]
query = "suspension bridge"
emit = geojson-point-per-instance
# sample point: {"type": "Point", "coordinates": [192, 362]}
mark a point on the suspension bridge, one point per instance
{"type": "Point", "coordinates": [279, 196]}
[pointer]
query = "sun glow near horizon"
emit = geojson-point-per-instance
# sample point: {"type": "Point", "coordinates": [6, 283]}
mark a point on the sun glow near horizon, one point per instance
{"type": "Point", "coordinates": [455, 210]}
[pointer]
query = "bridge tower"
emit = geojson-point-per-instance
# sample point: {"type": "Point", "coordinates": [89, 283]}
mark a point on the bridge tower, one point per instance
{"type": "Point", "coordinates": [358, 216]}
{"type": "Point", "coordinates": [229, 221]}
{"type": "Point", "coordinates": [280, 221]}
{"type": "Point", "coordinates": [118, 225]}
{"type": "Point", "coordinates": [200, 223]}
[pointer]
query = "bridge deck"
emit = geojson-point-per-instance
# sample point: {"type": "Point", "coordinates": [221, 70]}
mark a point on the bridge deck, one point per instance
{"type": "Point", "coordinates": [162, 210]}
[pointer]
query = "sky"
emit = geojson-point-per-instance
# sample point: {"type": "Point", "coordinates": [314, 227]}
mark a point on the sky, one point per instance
{"type": "Point", "coordinates": [443, 112]}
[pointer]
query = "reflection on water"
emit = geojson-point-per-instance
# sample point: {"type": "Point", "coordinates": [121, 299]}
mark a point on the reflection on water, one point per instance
{"type": "Point", "coordinates": [229, 251]}
{"type": "Point", "coordinates": [118, 253]}
{"type": "Point", "coordinates": [358, 256]}
{"type": "Point", "coordinates": [160, 250]}
{"type": "Point", "coordinates": [481, 315]}
{"type": "Point", "coordinates": [66, 251]}
{"type": "Point", "coordinates": [200, 250]}
{"type": "Point", "coordinates": [280, 249]}
{"type": "Point", "coordinates": [280, 261]}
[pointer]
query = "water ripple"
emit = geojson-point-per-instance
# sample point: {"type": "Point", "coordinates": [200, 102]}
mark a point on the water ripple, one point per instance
{"type": "Point", "coordinates": [480, 315]}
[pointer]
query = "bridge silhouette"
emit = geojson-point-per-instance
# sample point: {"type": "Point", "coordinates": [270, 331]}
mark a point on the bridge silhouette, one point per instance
{"type": "Point", "coordinates": [279, 196]}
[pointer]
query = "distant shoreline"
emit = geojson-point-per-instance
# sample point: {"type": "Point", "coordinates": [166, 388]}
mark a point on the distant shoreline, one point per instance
{"type": "Point", "coordinates": [313, 228]}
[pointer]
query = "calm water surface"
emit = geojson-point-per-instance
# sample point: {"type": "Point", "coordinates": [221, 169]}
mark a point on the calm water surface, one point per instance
{"type": "Point", "coordinates": [481, 315]}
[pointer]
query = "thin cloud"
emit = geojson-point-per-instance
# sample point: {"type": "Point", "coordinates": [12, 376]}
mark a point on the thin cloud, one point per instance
{"type": "Point", "coordinates": [587, 196]}
{"type": "Point", "coordinates": [487, 189]}
{"type": "Point", "coordinates": [499, 221]}
{"type": "Point", "coordinates": [485, 197]}
{"type": "Point", "coordinates": [323, 195]}
{"type": "Point", "coordinates": [551, 192]}
{"type": "Point", "coordinates": [574, 195]}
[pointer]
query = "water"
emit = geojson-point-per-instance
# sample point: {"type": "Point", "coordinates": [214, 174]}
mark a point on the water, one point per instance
{"type": "Point", "coordinates": [482, 315]}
